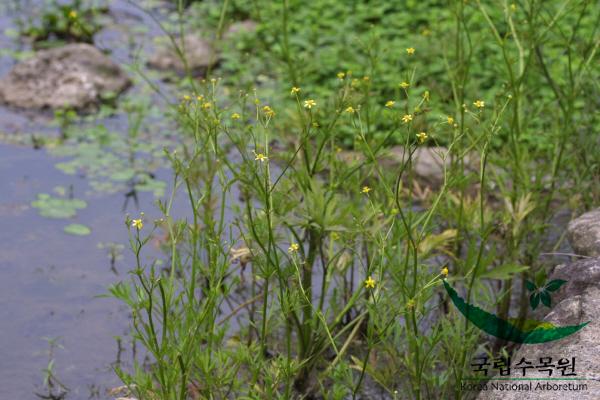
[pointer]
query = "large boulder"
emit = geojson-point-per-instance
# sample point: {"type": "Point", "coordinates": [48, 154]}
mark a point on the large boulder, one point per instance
{"type": "Point", "coordinates": [584, 234]}
{"type": "Point", "coordinates": [199, 56]}
{"type": "Point", "coordinates": [576, 302]}
{"type": "Point", "coordinates": [73, 76]}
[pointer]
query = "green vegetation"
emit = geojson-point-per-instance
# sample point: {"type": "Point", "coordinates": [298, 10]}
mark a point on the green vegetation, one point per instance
{"type": "Point", "coordinates": [67, 22]}
{"type": "Point", "coordinates": [311, 259]}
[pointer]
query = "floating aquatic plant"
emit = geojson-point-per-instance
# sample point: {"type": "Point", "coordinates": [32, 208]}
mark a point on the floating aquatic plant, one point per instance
{"type": "Point", "coordinates": [57, 207]}
{"type": "Point", "coordinates": [77, 230]}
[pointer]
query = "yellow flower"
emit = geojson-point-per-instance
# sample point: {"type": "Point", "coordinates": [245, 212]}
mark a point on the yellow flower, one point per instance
{"type": "Point", "coordinates": [422, 137]}
{"type": "Point", "coordinates": [407, 118]}
{"type": "Point", "coordinates": [450, 120]}
{"type": "Point", "coordinates": [260, 157]}
{"type": "Point", "coordinates": [341, 75]}
{"type": "Point", "coordinates": [335, 236]}
{"type": "Point", "coordinates": [355, 82]}
{"type": "Point", "coordinates": [513, 7]}
{"type": "Point", "coordinates": [444, 271]}
{"type": "Point", "coordinates": [235, 116]}
{"type": "Point", "coordinates": [479, 103]}
{"type": "Point", "coordinates": [366, 190]}
{"type": "Point", "coordinates": [293, 247]}
{"type": "Point", "coordinates": [404, 85]}
{"type": "Point", "coordinates": [207, 105]}
{"type": "Point", "coordinates": [268, 111]}
{"type": "Point", "coordinates": [390, 103]}
{"type": "Point", "coordinates": [137, 223]}
{"type": "Point", "coordinates": [426, 95]}
{"type": "Point", "coordinates": [186, 97]}
{"type": "Point", "coordinates": [410, 304]}
{"type": "Point", "coordinates": [410, 51]}
{"type": "Point", "coordinates": [309, 103]}
{"type": "Point", "coordinates": [370, 283]}
{"type": "Point", "coordinates": [72, 14]}
{"type": "Point", "coordinates": [295, 90]}
{"type": "Point", "coordinates": [366, 78]}
{"type": "Point", "coordinates": [350, 110]}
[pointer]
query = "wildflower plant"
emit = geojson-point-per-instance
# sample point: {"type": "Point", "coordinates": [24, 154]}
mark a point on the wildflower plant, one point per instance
{"type": "Point", "coordinates": [313, 254]}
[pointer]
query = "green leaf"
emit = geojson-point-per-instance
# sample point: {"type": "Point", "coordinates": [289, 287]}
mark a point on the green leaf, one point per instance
{"type": "Point", "coordinates": [504, 271]}
{"type": "Point", "coordinates": [530, 285]}
{"type": "Point", "coordinates": [77, 230]}
{"type": "Point", "coordinates": [534, 300]}
{"type": "Point", "coordinates": [554, 285]}
{"type": "Point", "coordinates": [545, 297]}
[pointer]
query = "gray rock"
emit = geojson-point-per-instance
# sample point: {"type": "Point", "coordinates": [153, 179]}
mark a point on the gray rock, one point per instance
{"type": "Point", "coordinates": [428, 163]}
{"type": "Point", "coordinates": [246, 26]}
{"type": "Point", "coordinates": [76, 75]}
{"type": "Point", "coordinates": [576, 302]}
{"type": "Point", "coordinates": [199, 56]}
{"type": "Point", "coordinates": [584, 234]}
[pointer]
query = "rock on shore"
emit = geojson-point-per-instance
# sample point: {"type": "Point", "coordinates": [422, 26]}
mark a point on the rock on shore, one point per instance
{"type": "Point", "coordinates": [74, 76]}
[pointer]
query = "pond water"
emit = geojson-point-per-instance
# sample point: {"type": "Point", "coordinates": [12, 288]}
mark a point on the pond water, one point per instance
{"type": "Point", "coordinates": [49, 280]}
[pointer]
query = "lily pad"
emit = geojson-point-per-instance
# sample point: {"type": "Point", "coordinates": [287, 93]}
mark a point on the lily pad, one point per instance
{"type": "Point", "coordinates": [77, 230]}
{"type": "Point", "coordinates": [57, 207]}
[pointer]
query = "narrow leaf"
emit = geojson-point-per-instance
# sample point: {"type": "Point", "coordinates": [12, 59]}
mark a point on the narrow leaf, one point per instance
{"type": "Point", "coordinates": [554, 285]}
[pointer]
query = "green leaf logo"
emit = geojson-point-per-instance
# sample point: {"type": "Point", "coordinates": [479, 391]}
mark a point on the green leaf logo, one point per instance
{"type": "Point", "coordinates": [542, 293]}
{"type": "Point", "coordinates": [529, 332]}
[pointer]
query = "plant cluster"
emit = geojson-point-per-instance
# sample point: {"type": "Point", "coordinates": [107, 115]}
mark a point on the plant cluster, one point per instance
{"type": "Point", "coordinates": [311, 259]}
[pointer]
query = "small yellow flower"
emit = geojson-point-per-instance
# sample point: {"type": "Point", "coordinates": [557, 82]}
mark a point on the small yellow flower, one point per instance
{"type": "Point", "coordinates": [370, 283]}
{"type": "Point", "coordinates": [404, 85]}
{"type": "Point", "coordinates": [355, 82]}
{"type": "Point", "coordinates": [137, 223]}
{"type": "Point", "coordinates": [260, 157]}
{"type": "Point", "coordinates": [186, 97]}
{"type": "Point", "coordinates": [513, 7]}
{"type": "Point", "coordinates": [426, 95]}
{"type": "Point", "coordinates": [390, 103]}
{"type": "Point", "coordinates": [450, 120]}
{"type": "Point", "coordinates": [294, 247]}
{"type": "Point", "coordinates": [341, 75]}
{"type": "Point", "coordinates": [479, 104]}
{"type": "Point", "coordinates": [310, 103]}
{"type": "Point", "coordinates": [268, 111]}
{"type": "Point", "coordinates": [407, 118]}
{"type": "Point", "coordinates": [350, 110]}
{"type": "Point", "coordinates": [295, 90]}
{"type": "Point", "coordinates": [366, 190]}
{"type": "Point", "coordinates": [72, 14]}
{"type": "Point", "coordinates": [207, 105]}
{"type": "Point", "coordinates": [235, 116]}
{"type": "Point", "coordinates": [366, 78]}
{"type": "Point", "coordinates": [410, 51]}
{"type": "Point", "coordinates": [335, 236]}
{"type": "Point", "coordinates": [444, 271]}
{"type": "Point", "coordinates": [422, 137]}
{"type": "Point", "coordinates": [410, 304]}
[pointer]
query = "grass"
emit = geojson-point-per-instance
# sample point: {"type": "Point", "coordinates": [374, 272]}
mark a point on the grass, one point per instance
{"type": "Point", "coordinates": [310, 261]}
